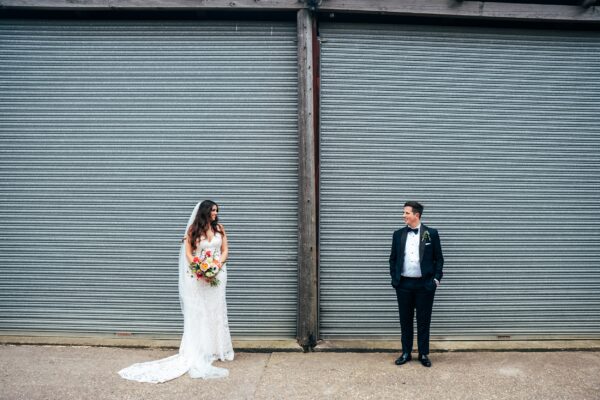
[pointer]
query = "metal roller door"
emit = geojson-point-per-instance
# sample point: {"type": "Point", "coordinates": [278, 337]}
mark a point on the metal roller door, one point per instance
{"type": "Point", "coordinates": [497, 132]}
{"type": "Point", "coordinates": [110, 132]}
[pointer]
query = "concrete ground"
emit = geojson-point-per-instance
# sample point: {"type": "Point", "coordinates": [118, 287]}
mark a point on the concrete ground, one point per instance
{"type": "Point", "coordinates": [80, 372]}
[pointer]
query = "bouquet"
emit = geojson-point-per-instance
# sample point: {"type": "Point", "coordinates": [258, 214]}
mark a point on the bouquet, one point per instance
{"type": "Point", "coordinates": [206, 266]}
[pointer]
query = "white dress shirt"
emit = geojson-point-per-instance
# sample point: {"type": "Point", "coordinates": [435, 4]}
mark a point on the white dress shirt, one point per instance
{"type": "Point", "coordinates": [412, 264]}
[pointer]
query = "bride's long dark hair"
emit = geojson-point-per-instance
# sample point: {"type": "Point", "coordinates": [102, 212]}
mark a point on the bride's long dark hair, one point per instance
{"type": "Point", "coordinates": [202, 222]}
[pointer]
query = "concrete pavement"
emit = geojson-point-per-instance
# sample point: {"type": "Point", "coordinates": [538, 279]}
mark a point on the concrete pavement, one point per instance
{"type": "Point", "coordinates": [81, 372]}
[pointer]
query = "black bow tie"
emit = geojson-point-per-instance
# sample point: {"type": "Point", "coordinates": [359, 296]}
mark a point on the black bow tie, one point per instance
{"type": "Point", "coordinates": [415, 231]}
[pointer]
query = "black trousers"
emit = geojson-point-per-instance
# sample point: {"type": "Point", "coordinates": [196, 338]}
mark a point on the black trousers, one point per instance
{"type": "Point", "coordinates": [415, 294]}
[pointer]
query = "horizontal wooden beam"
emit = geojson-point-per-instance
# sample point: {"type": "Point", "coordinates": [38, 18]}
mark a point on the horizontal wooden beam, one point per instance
{"type": "Point", "coordinates": [273, 5]}
{"type": "Point", "coordinates": [416, 8]}
{"type": "Point", "coordinates": [465, 9]}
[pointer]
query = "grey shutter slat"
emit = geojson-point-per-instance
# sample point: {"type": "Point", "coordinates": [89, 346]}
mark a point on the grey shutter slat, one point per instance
{"type": "Point", "coordinates": [497, 132]}
{"type": "Point", "coordinates": [110, 133]}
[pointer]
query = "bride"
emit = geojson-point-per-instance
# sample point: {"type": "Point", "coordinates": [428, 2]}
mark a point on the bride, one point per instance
{"type": "Point", "coordinates": [205, 328]}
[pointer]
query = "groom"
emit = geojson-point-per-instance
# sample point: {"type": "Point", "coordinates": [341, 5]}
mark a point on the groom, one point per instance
{"type": "Point", "coordinates": [416, 265]}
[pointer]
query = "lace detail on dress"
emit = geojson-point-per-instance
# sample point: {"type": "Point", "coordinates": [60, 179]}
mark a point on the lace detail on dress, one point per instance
{"type": "Point", "coordinates": [206, 336]}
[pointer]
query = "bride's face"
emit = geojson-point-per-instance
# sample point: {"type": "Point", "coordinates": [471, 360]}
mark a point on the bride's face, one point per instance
{"type": "Point", "coordinates": [213, 213]}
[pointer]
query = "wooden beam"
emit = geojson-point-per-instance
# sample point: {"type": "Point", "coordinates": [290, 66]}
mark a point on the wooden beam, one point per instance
{"type": "Point", "coordinates": [465, 9]}
{"type": "Point", "coordinates": [271, 5]}
{"type": "Point", "coordinates": [418, 8]}
{"type": "Point", "coordinates": [307, 315]}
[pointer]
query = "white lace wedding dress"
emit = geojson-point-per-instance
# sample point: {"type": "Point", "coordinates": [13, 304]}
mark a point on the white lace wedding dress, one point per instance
{"type": "Point", "coordinates": [206, 336]}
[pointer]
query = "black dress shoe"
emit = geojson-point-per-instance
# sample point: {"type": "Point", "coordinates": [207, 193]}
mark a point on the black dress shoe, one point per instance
{"type": "Point", "coordinates": [403, 359]}
{"type": "Point", "coordinates": [425, 360]}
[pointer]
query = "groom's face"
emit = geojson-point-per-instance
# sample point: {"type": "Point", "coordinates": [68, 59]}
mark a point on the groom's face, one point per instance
{"type": "Point", "coordinates": [410, 218]}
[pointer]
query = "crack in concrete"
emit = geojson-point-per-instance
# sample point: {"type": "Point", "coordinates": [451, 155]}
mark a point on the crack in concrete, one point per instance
{"type": "Point", "coordinates": [262, 375]}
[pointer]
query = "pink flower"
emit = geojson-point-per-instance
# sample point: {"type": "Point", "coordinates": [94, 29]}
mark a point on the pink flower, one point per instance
{"type": "Point", "coordinates": [208, 253]}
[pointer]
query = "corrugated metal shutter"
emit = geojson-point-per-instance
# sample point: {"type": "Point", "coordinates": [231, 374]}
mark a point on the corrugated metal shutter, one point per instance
{"type": "Point", "coordinates": [110, 133]}
{"type": "Point", "coordinates": [497, 132]}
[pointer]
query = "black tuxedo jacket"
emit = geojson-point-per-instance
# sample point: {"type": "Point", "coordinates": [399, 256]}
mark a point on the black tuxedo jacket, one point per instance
{"type": "Point", "coordinates": [430, 254]}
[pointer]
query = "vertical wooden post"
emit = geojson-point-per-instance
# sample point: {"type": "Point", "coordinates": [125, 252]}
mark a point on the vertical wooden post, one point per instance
{"type": "Point", "coordinates": [307, 322]}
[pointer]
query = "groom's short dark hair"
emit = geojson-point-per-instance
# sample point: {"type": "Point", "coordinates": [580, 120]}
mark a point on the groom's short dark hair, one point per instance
{"type": "Point", "coordinates": [416, 207]}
